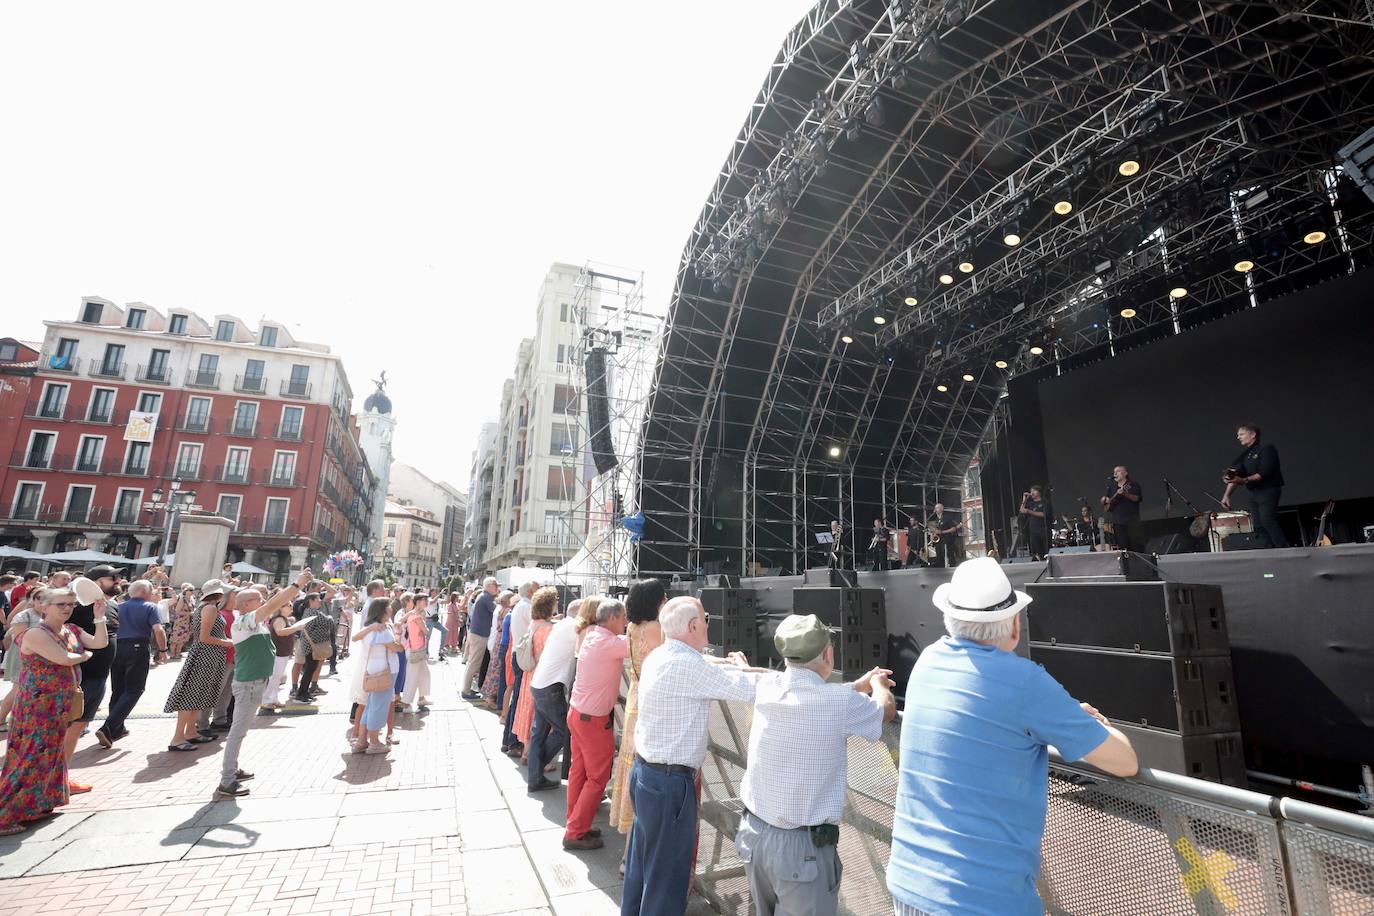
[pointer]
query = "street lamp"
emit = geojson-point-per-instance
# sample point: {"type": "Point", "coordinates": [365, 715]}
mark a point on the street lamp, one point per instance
{"type": "Point", "coordinates": [177, 500]}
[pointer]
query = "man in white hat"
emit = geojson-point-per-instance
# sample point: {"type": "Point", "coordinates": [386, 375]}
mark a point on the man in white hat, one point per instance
{"type": "Point", "coordinates": [974, 773]}
{"type": "Point", "coordinates": [793, 790]}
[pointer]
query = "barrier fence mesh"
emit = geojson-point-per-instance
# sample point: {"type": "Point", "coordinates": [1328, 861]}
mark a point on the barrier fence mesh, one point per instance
{"type": "Point", "coordinates": [1111, 847]}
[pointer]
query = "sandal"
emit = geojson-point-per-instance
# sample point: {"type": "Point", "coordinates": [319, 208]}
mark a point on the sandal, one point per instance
{"type": "Point", "coordinates": [183, 746]}
{"type": "Point", "coordinates": [391, 740]}
{"type": "Point", "coordinates": [11, 831]}
{"type": "Point", "coordinates": [200, 739]}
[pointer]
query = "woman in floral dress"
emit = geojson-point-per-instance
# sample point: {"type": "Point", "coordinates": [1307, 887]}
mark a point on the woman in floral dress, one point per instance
{"type": "Point", "coordinates": [34, 781]}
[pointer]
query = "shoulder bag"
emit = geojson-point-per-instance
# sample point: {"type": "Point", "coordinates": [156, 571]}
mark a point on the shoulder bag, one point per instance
{"type": "Point", "coordinates": [372, 683]}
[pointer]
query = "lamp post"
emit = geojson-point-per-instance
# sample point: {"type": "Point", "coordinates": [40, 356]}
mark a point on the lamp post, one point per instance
{"type": "Point", "coordinates": [177, 499]}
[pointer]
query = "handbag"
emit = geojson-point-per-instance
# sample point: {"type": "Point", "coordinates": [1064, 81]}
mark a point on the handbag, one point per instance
{"type": "Point", "coordinates": [76, 698]}
{"type": "Point", "coordinates": [415, 656]}
{"type": "Point", "coordinates": [372, 683]}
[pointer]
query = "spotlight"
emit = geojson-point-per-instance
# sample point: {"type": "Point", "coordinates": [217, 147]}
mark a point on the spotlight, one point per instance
{"type": "Point", "coordinates": [1001, 364]}
{"type": "Point", "coordinates": [1012, 238]}
{"type": "Point", "coordinates": [874, 113]}
{"type": "Point", "coordinates": [1177, 289]}
{"type": "Point", "coordinates": [946, 277]}
{"type": "Point", "coordinates": [968, 377]}
{"type": "Point", "coordinates": [834, 451]}
{"type": "Point", "coordinates": [879, 318]}
{"type": "Point", "coordinates": [846, 339]}
{"type": "Point", "coordinates": [942, 388]}
{"type": "Point", "coordinates": [911, 299]}
{"type": "Point", "coordinates": [1129, 164]}
{"type": "Point", "coordinates": [966, 265]}
{"type": "Point", "coordinates": [1036, 351]}
{"type": "Point", "coordinates": [1313, 234]}
{"type": "Point", "coordinates": [1128, 312]}
{"type": "Point", "coordinates": [1063, 206]}
{"type": "Point", "coordinates": [851, 131]}
{"type": "Point", "coordinates": [1244, 265]}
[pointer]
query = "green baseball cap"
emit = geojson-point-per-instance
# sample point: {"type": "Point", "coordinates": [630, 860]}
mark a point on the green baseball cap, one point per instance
{"type": "Point", "coordinates": [801, 639]}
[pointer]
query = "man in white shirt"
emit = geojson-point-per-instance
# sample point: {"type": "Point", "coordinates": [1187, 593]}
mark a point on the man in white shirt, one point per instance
{"type": "Point", "coordinates": [793, 789]}
{"type": "Point", "coordinates": [676, 687]}
{"type": "Point", "coordinates": [519, 625]}
{"type": "Point", "coordinates": [549, 685]}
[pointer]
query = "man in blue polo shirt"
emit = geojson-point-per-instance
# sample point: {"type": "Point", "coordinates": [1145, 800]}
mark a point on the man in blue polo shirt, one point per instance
{"type": "Point", "coordinates": [479, 629]}
{"type": "Point", "coordinates": [973, 780]}
{"type": "Point", "coordinates": [140, 623]}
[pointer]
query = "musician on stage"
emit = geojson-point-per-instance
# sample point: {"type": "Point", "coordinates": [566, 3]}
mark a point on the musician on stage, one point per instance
{"type": "Point", "coordinates": [1257, 469]}
{"type": "Point", "coordinates": [837, 553]}
{"type": "Point", "coordinates": [1122, 502]}
{"type": "Point", "coordinates": [877, 548]}
{"type": "Point", "coordinates": [915, 544]}
{"type": "Point", "coordinates": [949, 552]}
{"type": "Point", "coordinates": [1085, 526]}
{"type": "Point", "coordinates": [1034, 511]}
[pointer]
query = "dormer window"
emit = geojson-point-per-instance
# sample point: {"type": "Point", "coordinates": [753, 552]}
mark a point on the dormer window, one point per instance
{"type": "Point", "coordinates": [269, 336]}
{"type": "Point", "coordinates": [224, 330]}
{"type": "Point", "coordinates": [90, 314]}
{"type": "Point", "coordinates": [177, 325]}
{"type": "Point", "coordinates": [135, 318]}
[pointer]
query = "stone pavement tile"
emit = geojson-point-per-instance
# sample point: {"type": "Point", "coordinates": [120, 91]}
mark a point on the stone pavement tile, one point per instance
{"type": "Point", "coordinates": [487, 829]}
{"type": "Point", "coordinates": [565, 872]}
{"type": "Point", "coordinates": [51, 828]}
{"type": "Point", "coordinates": [402, 800]}
{"type": "Point", "coordinates": [268, 836]}
{"type": "Point", "coordinates": [393, 828]}
{"type": "Point", "coordinates": [138, 820]}
{"type": "Point", "coordinates": [129, 849]}
{"type": "Point", "coordinates": [540, 810]}
{"type": "Point", "coordinates": [589, 903]}
{"type": "Point", "coordinates": [18, 857]}
{"type": "Point", "coordinates": [264, 810]}
{"type": "Point", "coordinates": [500, 881]}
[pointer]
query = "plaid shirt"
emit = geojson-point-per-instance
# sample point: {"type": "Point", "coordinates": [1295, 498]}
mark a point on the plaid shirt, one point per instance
{"type": "Point", "coordinates": [676, 686]}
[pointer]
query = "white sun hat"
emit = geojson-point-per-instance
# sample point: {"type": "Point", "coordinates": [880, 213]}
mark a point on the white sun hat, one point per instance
{"type": "Point", "coordinates": [979, 592]}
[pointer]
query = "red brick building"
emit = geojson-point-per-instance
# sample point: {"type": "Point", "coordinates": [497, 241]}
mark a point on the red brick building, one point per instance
{"type": "Point", "coordinates": [124, 400]}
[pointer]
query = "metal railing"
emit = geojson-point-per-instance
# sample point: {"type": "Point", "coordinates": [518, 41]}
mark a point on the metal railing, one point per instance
{"type": "Point", "coordinates": [250, 384]}
{"type": "Point", "coordinates": [51, 362]}
{"type": "Point", "coordinates": [290, 389]}
{"type": "Point", "coordinates": [107, 370]}
{"type": "Point", "coordinates": [158, 374]}
{"type": "Point", "coordinates": [243, 429]}
{"type": "Point", "coordinates": [232, 474]}
{"type": "Point", "coordinates": [197, 379]}
{"type": "Point", "coordinates": [275, 479]}
{"type": "Point", "coordinates": [288, 433]}
{"type": "Point", "coordinates": [1154, 845]}
{"type": "Point", "coordinates": [46, 410]}
{"type": "Point", "coordinates": [190, 424]}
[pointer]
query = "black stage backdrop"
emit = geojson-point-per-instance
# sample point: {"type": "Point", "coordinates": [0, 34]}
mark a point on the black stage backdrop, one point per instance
{"type": "Point", "coordinates": [1298, 367]}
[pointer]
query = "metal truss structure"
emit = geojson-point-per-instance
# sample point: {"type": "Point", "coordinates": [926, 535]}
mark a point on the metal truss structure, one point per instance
{"type": "Point", "coordinates": [609, 314]}
{"type": "Point", "coordinates": [816, 367]}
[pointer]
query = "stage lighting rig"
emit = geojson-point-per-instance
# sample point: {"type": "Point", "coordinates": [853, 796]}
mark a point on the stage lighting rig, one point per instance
{"type": "Point", "coordinates": [1312, 229]}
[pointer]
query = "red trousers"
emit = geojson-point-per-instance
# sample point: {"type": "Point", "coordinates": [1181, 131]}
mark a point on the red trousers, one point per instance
{"type": "Point", "coordinates": [593, 753]}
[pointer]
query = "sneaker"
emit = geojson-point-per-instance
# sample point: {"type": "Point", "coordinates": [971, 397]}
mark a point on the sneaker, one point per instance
{"type": "Point", "coordinates": [235, 789]}
{"type": "Point", "coordinates": [543, 785]}
{"type": "Point", "coordinates": [471, 696]}
{"type": "Point", "coordinates": [102, 738]}
{"type": "Point", "coordinates": [587, 841]}
{"type": "Point", "coordinates": [244, 776]}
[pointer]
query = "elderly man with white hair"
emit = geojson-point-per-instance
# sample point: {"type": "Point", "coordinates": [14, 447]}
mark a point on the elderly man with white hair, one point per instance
{"type": "Point", "coordinates": [140, 623]}
{"type": "Point", "coordinates": [676, 687]}
{"type": "Point", "coordinates": [480, 616]}
{"type": "Point", "coordinates": [793, 789]}
{"type": "Point", "coordinates": [520, 620]}
{"type": "Point", "coordinates": [973, 773]}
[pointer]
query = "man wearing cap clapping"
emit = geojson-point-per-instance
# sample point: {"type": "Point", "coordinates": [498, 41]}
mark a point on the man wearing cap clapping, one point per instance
{"type": "Point", "coordinates": [974, 771]}
{"type": "Point", "coordinates": [793, 790]}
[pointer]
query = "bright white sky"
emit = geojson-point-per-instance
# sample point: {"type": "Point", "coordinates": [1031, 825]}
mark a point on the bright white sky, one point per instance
{"type": "Point", "coordinates": [392, 179]}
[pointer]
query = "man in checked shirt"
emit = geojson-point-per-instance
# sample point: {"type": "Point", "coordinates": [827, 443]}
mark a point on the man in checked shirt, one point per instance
{"type": "Point", "coordinates": [793, 789]}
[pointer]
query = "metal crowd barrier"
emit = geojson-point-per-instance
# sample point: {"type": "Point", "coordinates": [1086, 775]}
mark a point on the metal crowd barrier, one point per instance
{"type": "Point", "coordinates": [1154, 845]}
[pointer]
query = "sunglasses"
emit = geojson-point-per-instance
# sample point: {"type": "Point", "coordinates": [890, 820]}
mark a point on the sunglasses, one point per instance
{"type": "Point", "coordinates": [70, 604]}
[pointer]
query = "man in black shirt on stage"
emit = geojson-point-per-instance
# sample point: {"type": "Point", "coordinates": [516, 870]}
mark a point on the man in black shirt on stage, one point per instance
{"type": "Point", "coordinates": [949, 525]}
{"type": "Point", "coordinates": [915, 544]}
{"type": "Point", "coordinates": [1122, 502]}
{"type": "Point", "coordinates": [877, 548]}
{"type": "Point", "coordinates": [1033, 508]}
{"type": "Point", "coordinates": [1257, 469]}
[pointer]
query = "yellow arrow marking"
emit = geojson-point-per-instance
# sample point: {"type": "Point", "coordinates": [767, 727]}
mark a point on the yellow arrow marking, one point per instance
{"type": "Point", "coordinates": [1207, 873]}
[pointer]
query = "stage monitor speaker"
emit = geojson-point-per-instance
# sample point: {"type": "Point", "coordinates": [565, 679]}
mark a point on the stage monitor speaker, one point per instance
{"type": "Point", "coordinates": [1218, 757]}
{"type": "Point", "coordinates": [859, 651]}
{"type": "Point", "coordinates": [1246, 541]}
{"type": "Point", "coordinates": [1130, 616]}
{"type": "Point", "coordinates": [835, 578]}
{"type": "Point", "coordinates": [1116, 566]}
{"type": "Point", "coordinates": [722, 580]}
{"type": "Point", "coordinates": [846, 608]}
{"type": "Point", "coordinates": [1187, 696]}
{"type": "Point", "coordinates": [1060, 551]}
{"type": "Point", "coordinates": [599, 412]}
{"type": "Point", "coordinates": [728, 602]}
{"type": "Point", "coordinates": [1171, 543]}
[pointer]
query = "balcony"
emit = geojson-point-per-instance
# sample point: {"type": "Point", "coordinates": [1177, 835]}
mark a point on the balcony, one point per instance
{"type": "Point", "coordinates": [199, 423]}
{"type": "Point", "coordinates": [39, 461]}
{"type": "Point", "coordinates": [207, 380]}
{"type": "Point", "coordinates": [250, 384]}
{"type": "Point", "coordinates": [294, 389]}
{"type": "Point", "coordinates": [328, 489]}
{"type": "Point", "coordinates": [275, 479]}
{"type": "Point", "coordinates": [243, 429]}
{"type": "Point", "coordinates": [188, 471]}
{"type": "Point", "coordinates": [88, 464]}
{"type": "Point", "coordinates": [239, 474]}
{"type": "Point", "coordinates": [108, 370]}
{"type": "Point", "coordinates": [156, 374]}
{"type": "Point", "coordinates": [67, 365]}
{"type": "Point", "coordinates": [288, 433]}
{"type": "Point", "coordinates": [274, 524]}
{"type": "Point", "coordinates": [132, 469]}
{"type": "Point", "coordinates": [325, 536]}
{"type": "Point", "coordinates": [104, 417]}
{"type": "Point", "coordinates": [46, 410]}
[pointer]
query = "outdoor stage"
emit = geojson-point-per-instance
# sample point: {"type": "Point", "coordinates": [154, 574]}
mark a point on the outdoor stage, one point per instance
{"type": "Point", "coordinates": [1301, 645]}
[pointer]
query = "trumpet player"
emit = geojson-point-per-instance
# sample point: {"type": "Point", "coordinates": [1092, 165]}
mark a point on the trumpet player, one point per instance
{"type": "Point", "coordinates": [947, 536]}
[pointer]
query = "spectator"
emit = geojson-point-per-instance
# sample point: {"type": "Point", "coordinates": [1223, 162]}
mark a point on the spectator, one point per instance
{"type": "Point", "coordinates": [549, 685]}
{"type": "Point", "coordinates": [793, 789]}
{"type": "Point", "coordinates": [433, 621]}
{"type": "Point", "coordinates": [30, 581]}
{"type": "Point", "coordinates": [415, 638]}
{"type": "Point", "coordinates": [519, 626]}
{"type": "Point", "coordinates": [676, 686]}
{"type": "Point", "coordinates": [182, 609]}
{"type": "Point", "coordinates": [34, 781]}
{"type": "Point", "coordinates": [95, 671]}
{"type": "Point", "coordinates": [25, 614]}
{"type": "Point", "coordinates": [220, 715]}
{"type": "Point", "coordinates": [594, 694]}
{"type": "Point", "coordinates": [254, 660]}
{"type": "Point", "coordinates": [356, 733]}
{"type": "Point", "coordinates": [479, 625]}
{"type": "Point", "coordinates": [318, 641]}
{"type": "Point", "coordinates": [283, 629]}
{"type": "Point", "coordinates": [140, 625]}
{"type": "Point", "coordinates": [197, 686]}
{"type": "Point", "coordinates": [498, 648]}
{"type": "Point", "coordinates": [379, 649]}
{"type": "Point", "coordinates": [975, 745]}
{"type": "Point", "coordinates": [543, 605]}
{"type": "Point", "coordinates": [453, 626]}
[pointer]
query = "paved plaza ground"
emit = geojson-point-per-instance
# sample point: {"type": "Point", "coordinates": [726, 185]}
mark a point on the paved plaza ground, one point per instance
{"type": "Point", "coordinates": [441, 825]}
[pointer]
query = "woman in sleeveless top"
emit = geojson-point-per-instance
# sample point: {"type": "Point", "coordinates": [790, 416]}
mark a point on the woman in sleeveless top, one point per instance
{"type": "Point", "coordinates": [642, 605]}
{"type": "Point", "coordinates": [543, 605]}
{"type": "Point", "coordinates": [198, 682]}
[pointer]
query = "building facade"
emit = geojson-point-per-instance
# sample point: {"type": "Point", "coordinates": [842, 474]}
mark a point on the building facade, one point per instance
{"type": "Point", "coordinates": [410, 545]}
{"type": "Point", "coordinates": [480, 483]}
{"type": "Point", "coordinates": [376, 433]}
{"type": "Point", "coordinates": [125, 401]}
{"type": "Point", "coordinates": [410, 486]}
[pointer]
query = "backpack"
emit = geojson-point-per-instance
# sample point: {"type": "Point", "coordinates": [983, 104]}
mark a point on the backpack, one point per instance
{"type": "Point", "coordinates": [524, 649]}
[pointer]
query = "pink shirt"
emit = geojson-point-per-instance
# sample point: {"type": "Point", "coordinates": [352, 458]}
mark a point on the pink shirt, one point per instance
{"type": "Point", "coordinates": [416, 632]}
{"type": "Point", "coordinates": [599, 664]}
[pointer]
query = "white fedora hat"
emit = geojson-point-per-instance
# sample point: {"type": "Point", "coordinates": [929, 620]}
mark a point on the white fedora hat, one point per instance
{"type": "Point", "coordinates": [980, 592]}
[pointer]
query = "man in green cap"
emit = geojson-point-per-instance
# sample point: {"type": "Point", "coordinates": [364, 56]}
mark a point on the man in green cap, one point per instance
{"type": "Point", "coordinates": [793, 789]}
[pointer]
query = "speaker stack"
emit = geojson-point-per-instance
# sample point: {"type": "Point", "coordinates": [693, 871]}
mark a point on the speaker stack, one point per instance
{"type": "Point", "coordinates": [857, 618]}
{"type": "Point", "coordinates": [1154, 657]}
{"type": "Point", "coordinates": [732, 620]}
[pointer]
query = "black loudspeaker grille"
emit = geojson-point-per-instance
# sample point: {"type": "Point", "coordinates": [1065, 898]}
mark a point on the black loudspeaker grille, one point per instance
{"type": "Point", "coordinates": [847, 608]}
{"type": "Point", "coordinates": [1217, 757]}
{"type": "Point", "coordinates": [859, 651]}
{"type": "Point", "coordinates": [599, 412]}
{"type": "Point", "coordinates": [1135, 616]}
{"type": "Point", "coordinates": [836, 578]}
{"type": "Point", "coordinates": [1118, 566]}
{"type": "Point", "coordinates": [1187, 696]}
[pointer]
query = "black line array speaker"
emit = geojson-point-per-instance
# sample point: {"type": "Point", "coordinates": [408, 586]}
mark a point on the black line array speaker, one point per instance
{"type": "Point", "coordinates": [847, 608]}
{"type": "Point", "coordinates": [1113, 566]}
{"type": "Point", "coordinates": [1218, 757]}
{"type": "Point", "coordinates": [859, 651]}
{"type": "Point", "coordinates": [732, 621]}
{"type": "Point", "coordinates": [1137, 616]}
{"type": "Point", "coordinates": [599, 411]}
{"type": "Point", "coordinates": [836, 578]}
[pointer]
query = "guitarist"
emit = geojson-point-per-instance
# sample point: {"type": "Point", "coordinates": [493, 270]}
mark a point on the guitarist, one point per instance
{"type": "Point", "coordinates": [1257, 469]}
{"type": "Point", "coordinates": [1122, 502]}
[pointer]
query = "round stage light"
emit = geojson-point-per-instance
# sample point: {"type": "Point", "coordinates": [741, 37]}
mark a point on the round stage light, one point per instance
{"type": "Point", "coordinates": [1036, 351]}
{"type": "Point", "coordinates": [911, 300]}
{"type": "Point", "coordinates": [946, 278]}
{"type": "Point", "coordinates": [1001, 364]}
{"type": "Point", "coordinates": [1128, 312]}
{"type": "Point", "coordinates": [1063, 207]}
{"type": "Point", "coordinates": [968, 377]}
{"type": "Point", "coordinates": [1315, 237]}
{"type": "Point", "coordinates": [845, 338]}
{"type": "Point", "coordinates": [966, 266]}
{"type": "Point", "coordinates": [1129, 167]}
{"type": "Point", "coordinates": [1011, 239]}
{"type": "Point", "coordinates": [834, 451]}
{"type": "Point", "coordinates": [942, 388]}
{"type": "Point", "coordinates": [1244, 266]}
{"type": "Point", "coordinates": [1178, 292]}
{"type": "Point", "coordinates": [879, 319]}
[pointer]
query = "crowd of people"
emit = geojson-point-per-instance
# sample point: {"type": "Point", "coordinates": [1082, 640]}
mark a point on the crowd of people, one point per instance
{"type": "Point", "coordinates": [972, 783]}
